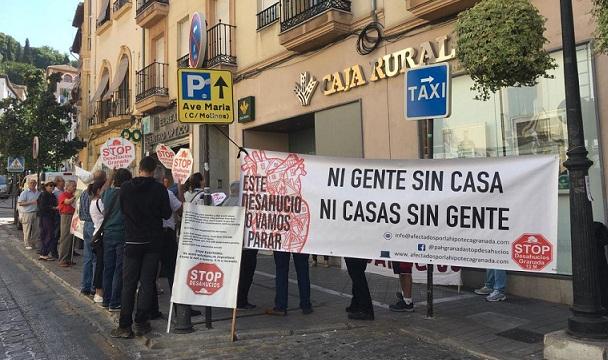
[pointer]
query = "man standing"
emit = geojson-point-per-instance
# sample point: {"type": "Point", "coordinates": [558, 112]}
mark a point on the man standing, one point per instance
{"type": "Point", "coordinates": [144, 203]}
{"type": "Point", "coordinates": [360, 307]}
{"type": "Point", "coordinates": [300, 262]}
{"type": "Point", "coordinates": [404, 299]}
{"type": "Point", "coordinates": [28, 202]}
{"type": "Point", "coordinates": [66, 211]}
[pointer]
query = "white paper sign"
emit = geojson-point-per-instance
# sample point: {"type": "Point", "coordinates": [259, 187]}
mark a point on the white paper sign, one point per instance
{"type": "Point", "coordinates": [117, 153]}
{"type": "Point", "coordinates": [165, 155]}
{"type": "Point", "coordinates": [182, 165]}
{"type": "Point", "coordinates": [209, 256]}
{"type": "Point", "coordinates": [442, 274]}
{"type": "Point", "coordinates": [498, 213]}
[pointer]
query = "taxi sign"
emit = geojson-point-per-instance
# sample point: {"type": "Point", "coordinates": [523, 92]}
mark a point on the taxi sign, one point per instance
{"type": "Point", "coordinates": [204, 96]}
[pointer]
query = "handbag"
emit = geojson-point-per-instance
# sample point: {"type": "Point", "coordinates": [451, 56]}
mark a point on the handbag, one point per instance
{"type": "Point", "coordinates": [97, 241]}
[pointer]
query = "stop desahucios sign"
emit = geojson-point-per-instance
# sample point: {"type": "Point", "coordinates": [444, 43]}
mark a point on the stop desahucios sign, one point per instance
{"type": "Point", "coordinates": [205, 279]}
{"type": "Point", "coordinates": [532, 252]}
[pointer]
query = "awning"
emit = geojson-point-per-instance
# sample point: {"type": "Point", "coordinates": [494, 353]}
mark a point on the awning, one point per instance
{"type": "Point", "coordinates": [100, 88]}
{"type": "Point", "coordinates": [104, 13]}
{"type": "Point", "coordinates": [121, 72]}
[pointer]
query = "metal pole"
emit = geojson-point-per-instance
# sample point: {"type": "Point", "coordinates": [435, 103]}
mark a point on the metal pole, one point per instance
{"type": "Point", "coordinates": [587, 320]}
{"type": "Point", "coordinates": [207, 201]}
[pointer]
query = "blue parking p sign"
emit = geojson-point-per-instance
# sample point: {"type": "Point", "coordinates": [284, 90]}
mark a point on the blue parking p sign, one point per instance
{"type": "Point", "coordinates": [427, 92]}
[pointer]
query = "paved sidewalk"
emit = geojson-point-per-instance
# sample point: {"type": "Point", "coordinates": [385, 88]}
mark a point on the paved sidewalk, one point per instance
{"type": "Point", "coordinates": [463, 321]}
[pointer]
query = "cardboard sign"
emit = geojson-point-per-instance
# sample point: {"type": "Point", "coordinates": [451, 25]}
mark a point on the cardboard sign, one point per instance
{"type": "Point", "coordinates": [182, 165]}
{"type": "Point", "coordinates": [117, 153]}
{"type": "Point", "coordinates": [165, 155]}
{"type": "Point", "coordinates": [209, 256]}
{"type": "Point", "coordinates": [491, 213]}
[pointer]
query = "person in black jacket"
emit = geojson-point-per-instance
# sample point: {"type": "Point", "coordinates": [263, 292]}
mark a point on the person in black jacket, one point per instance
{"type": "Point", "coordinates": [47, 210]}
{"type": "Point", "coordinates": [144, 203]}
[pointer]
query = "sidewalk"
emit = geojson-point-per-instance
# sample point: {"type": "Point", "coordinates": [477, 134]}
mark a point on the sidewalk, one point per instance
{"type": "Point", "coordinates": [508, 330]}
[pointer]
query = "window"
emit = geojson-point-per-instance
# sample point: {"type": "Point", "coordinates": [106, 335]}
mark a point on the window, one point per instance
{"type": "Point", "coordinates": [522, 121]}
{"type": "Point", "coordinates": [183, 43]}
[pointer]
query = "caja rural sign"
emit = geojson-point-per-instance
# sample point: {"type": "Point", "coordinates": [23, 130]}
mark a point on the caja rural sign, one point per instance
{"type": "Point", "coordinates": [182, 165]}
{"type": "Point", "coordinates": [117, 153]}
{"type": "Point", "coordinates": [205, 279]}
{"type": "Point", "coordinates": [204, 96]}
{"type": "Point", "coordinates": [165, 155]}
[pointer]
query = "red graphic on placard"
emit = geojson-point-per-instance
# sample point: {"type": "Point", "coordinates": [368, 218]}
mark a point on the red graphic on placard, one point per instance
{"type": "Point", "coordinates": [532, 252]}
{"type": "Point", "coordinates": [282, 182]}
{"type": "Point", "coordinates": [205, 279]}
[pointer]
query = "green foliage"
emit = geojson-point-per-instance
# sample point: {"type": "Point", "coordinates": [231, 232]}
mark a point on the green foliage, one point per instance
{"type": "Point", "coordinates": [500, 43]}
{"type": "Point", "coordinates": [600, 13]}
{"type": "Point", "coordinates": [10, 49]}
{"type": "Point", "coordinates": [27, 53]}
{"type": "Point", "coordinates": [39, 115]}
{"type": "Point", "coordinates": [44, 56]}
{"type": "Point", "coordinates": [18, 72]}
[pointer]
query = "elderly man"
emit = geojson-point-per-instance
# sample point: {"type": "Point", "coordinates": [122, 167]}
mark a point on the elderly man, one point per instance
{"type": "Point", "coordinates": [66, 211]}
{"type": "Point", "coordinates": [28, 206]}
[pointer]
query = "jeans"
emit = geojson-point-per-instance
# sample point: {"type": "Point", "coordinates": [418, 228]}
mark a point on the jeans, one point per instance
{"type": "Point", "coordinates": [47, 224]}
{"type": "Point", "coordinates": [140, 266]}
{"type": "Point", "coordinates": [300, 261]}
{"type": "Point", "coordinates": [362, 300]}
{"type": "Point", "coordinates": [113, 248]}
{"type": "Point", "coordinates": [496, 279]}
{"type": "Point", "coordinates": [88, 266]}
{"type": "Point", "coordinates": [249, 261]}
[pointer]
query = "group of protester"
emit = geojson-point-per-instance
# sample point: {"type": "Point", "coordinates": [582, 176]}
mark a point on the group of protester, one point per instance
{"type": "Point", "coordinates": [130, 238]}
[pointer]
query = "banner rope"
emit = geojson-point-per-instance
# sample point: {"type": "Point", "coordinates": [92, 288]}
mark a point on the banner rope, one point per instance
{"type": "Point", "coordinates": [241, 149]}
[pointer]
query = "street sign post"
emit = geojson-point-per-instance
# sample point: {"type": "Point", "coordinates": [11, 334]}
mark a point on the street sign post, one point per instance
{"type": "Point", "coordinates": [16, 164]}
{"type": "Point", "coordinates": [204, 96]}
{"type": "Point", "coordinates": [427, 92]}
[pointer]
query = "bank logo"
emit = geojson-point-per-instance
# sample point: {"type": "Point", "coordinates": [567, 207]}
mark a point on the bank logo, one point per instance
{"type": "Point", "coordinates": [421, 247]}
{"type": "Point", "coordinates": [306, 88]}
{"type": "Point", "coordinates": [385, 254]}
{"type": "Point", "coordinates": [388, 235]}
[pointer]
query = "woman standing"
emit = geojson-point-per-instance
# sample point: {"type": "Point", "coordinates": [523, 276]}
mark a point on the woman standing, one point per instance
{"type": "Point", "coordinates": [47, 209]}
{"type": "Point", "coordinates": [96, 211]}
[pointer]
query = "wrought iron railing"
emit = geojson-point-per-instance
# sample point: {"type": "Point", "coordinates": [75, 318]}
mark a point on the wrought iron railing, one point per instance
{"type": "Point", "coordinates": [152, 80]}
{"type": "Point", "coordinates": [143, 5]}
{"type": "Point", "coordinates": [221, 39]}
{"type": "Point", "coordinates": [103, 108]}
{"type": "Point", "coordinates": [121, 102]}
{"type": "Point", "coordinates": [184, 61]}
{"type": "Point", "coordinates": [269, 15]}
{"type": "Point", "coordinates": [295, 12]}
{"type": "Point", "coordinates": [120, 3]}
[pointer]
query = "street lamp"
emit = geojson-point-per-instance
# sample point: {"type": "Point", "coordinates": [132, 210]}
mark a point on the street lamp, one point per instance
{"type": "Point", "coordinates": [587, 319]}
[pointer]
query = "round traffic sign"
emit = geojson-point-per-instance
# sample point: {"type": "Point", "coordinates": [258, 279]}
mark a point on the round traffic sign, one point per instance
{"type": "Point", "coordinates": [198, 40]}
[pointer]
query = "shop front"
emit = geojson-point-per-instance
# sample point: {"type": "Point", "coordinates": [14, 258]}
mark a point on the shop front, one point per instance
{"type": "Point", "coordinates": [336, 102]}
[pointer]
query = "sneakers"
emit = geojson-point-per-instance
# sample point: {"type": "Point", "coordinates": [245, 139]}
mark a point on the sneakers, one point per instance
{"type": "Point", "coordinates": [496, 296]}
{"type": "Point", "coordinates": [122, 333]}
{"type": "Point", "coordinates": [142, 329]}
{"type": "Point", "coordinates": [98, 299]}
{"type": "Point", "coordinates": [483, 291]}
{"type": "Point", "coordinates": [64, 264]}
{"type": "Point", "coordinates": [28, 248]}
{"type": "Point", "coordinates": [401, 305]}
{"type": "Point", "coordinates": [114, 308]}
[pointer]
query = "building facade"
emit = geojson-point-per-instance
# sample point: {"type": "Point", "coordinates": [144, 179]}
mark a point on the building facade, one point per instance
{"type": "Point", "coordinates": [305, 81]}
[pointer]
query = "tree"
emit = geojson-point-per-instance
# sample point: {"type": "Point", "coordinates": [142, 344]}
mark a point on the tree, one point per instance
{"type": "Point", "coordinates": [39, 115]}
{"type": "Point", "coordinates": [17, 72]}
{"type": "Point", "coordinates": [600, 12]}
{"type": "Point", "coordinates": [27, 53]}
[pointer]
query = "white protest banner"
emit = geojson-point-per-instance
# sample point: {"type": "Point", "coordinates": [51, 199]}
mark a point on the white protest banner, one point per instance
{"type": "Point", "coordinates": [498, 213]}
{"type": "Point", "coordinates": [182, 165]}
{"type": "Point", "coordinates": [165, 155]}
{"type": "Point", "coordinates": [442, 274]}
{"type": "Point", "coordinates": [209, 256]}
{"type": "Point", "coordinates": [117, 153]}
{"type": "Point", "coordinates": [84, 176]}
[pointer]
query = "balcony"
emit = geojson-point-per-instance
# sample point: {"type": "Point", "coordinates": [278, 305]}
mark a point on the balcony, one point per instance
{"type": "Point", "coordinates": [436, 9]}
{"type": "Point", "coordinates": [221, 51]}
{"type": "Point", "coordinates": [150, 12]}
{"type": "Point", "coordinates": [103, 109]}
{"type": "Point", "coordinates": [152, 88]}
{"type": "Point", "coordinates": [120, 7]}
{"type": "Point", "coordinates": [184, 61]}
{"type": "Point", "coordinates": [103, 21]}
{"type": "Point", "coordinates": [113, 111]}
{"type": "Point", "coordinates": [268, 15]}
{"type": "Point", "coordinates": [310, 24]}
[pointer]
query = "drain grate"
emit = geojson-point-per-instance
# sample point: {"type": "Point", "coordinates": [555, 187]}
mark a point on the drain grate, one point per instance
{"type": "Point", "coordinates": [522, 335]}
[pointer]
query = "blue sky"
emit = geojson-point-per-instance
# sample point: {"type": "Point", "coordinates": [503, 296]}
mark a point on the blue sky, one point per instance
{"type": "Point", "coordinates": [44, 22]}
